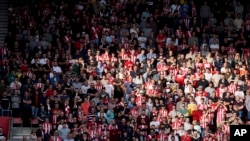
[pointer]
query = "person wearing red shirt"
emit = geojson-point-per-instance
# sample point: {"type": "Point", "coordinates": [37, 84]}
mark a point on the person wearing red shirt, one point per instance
{"type": "Point", "coordinates": [161, 39]}
{"type": "Point", "coordinates": [143, 126]}
{"type": "Point", "coordinates": [114, 134]}
{"type": "Point", "coordinates": [49, 92]}
{"type": "Point", "coordinates": [128, 64]}
{"type": "Point", "coordinates": [77, 45]}
{"type": "Point", "coordinates": [143, 116]}
{"type": "Point", "coordinates": [170, 104]}
{"type": "Point", "coordinates": [105, 56]}
{"type": "Point", "coordinates": [186, 137]}
{"type": "Point", "coordinates": [197, 76]}
{"type": "Point", "coordinates": [24, 67]}
{"type": "Point", "coordinates": [179, 78]}
{"type": "Point", "coordinates": [95, 33]}
{"type": "Point", "coordinates": [162, 136]}
{"type": "Point", "coordinates": [85, 106]}
{"type": "Point", "coordinates": [200, 92]}
{"type": "Point", "coordinates": [196, 114]}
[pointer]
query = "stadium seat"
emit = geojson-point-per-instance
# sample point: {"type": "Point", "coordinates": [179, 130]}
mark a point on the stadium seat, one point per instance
{"type": "Point", "coordinates": [17, 121]}
{"type": "Point", "coordinates": [34, 122]}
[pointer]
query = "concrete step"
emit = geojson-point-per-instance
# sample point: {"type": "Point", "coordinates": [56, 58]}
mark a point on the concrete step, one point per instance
{"type": "Point", "coordinates": [19, 132]}
{"type": "Point", "coordinates": [16, 138]}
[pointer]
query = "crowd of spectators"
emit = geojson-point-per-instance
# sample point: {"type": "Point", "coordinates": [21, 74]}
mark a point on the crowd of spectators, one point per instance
{"type": "Point", "coordinates": [128, 70]}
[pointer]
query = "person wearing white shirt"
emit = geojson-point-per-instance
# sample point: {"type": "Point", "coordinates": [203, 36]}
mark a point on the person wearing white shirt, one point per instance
{"type": "Point", "coordinates": [239, 93]}
{"type": "Point", "coordinates": [189, 89]}
{"type": "Point", "coordinates": [187, 124]}
{"type": "Point", "coordinates": [214, 46]}
{"type": "Point", "coordinates": [43, 60]}
{"type": "Point", "coordinates": [15, 85]}
{"type": "Point", "coordinates": [216, 78]}
{"type": "Point", "coordinates": [34, 60]}
{"type": "Point", "coordinates": [85, 87]}
{"type": "Point", "coordinates": [142, 40]}
{"type": "Point", "coordinates": [208, 75]}
{"type": "Point", "coordinates": [224, 69]}
{"type": "Point", "coordinates": [155, 122]}
{"type": "Point", "coordinates": [210, 89]}
{"type": "Point", "coordinates": [196, 126]}
{"type": "Point", "coordinates": [109, 88]}
{"type": "Point", "coordinates": [57, 68]}
{"type": "Point", "coordinates": [181, 130]}
{"type": "Point", "coordinates": [138, 80]}
{"type": "Point", "coordinates": [199, 98]}
{"type": "Point", "coordinates": [173, 136]}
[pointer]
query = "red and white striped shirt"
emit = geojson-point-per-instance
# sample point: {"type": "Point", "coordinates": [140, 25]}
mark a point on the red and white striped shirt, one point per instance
{"type": "Point", "coordinates": [98, 87]}
{"type": "Point", "coordinates": [220, 114]}
{"type": "Point", "coordinates": [29, 74]}
{"type": "Point", "coordinates": [123, 56]}
{"type": "Point", "coordinates": [126, 45]}
{"type": "Point", "coordinates": [162, 137]}
{"type": "Point", "coordinates": [98, 58]}
{"type": "Point", "coordinates": [179, 33]}
{"type": "Point", "coordinates": [232, 88]}
{"type": "Point", "coordinates": [67, 109]}
{"type": "Point", "coordinates": [163, 113]}
{"type": "Point", "coordinates": [94, 32]}
{"type": "Point", "coordinates": [176, 124]}
{"type": "Point", "coordinates": [113, 59]}
{"type": "Point", "coordinates": [202, 107]}
{"type": "Point", "coordinates": [47, 127]}
{"type": "Point", "coordinates": [133, 58]}
{"type": "Point", "coordinates": [39, 86]}
{"type": "Point", "coordinates": [93, 133]}
{"type": "Point", "coordinates": [56, 138]}
{"type": "Point", "coordinates": [105, 57]}
{"type": "Point", "coordinates": [226, 129]}
{"type": "Point", "coordinates": [219, 136]}
{"type": "Point", "coordinates": [112, 127]}
{"type": "Point", "coordinates": [204, 121]}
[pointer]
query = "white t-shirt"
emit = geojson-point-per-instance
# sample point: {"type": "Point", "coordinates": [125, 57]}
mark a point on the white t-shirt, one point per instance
{"type": "Point", "coordinates": [239, 93]}
{"type": "Point", "coordinates": [155, 123]}
{"type": "Point", "coordinates": [109, 89]}
{"type": "Point", "coordinates": [214, 46]}
{"type": "Point", "coordinates": [57, 69]}
{"type": "Point", "coordinates": [43, 61]}
{"type": "Point", "coordinates": [208, 76]}
{"type": "Point", "coordinates": [216, 78]}
{"type": "Point", "coordinates": [187, 126]}
{"type": "Point", "coordinates": [85, 89]}
{"type": "Point", "coordinates": [198, 128]}
{"type": "Point", "coordinates": [142, 41]}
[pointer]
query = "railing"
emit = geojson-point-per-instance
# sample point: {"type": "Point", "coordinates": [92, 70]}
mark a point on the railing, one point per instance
{"type": "Point", "coordinates": [9, 114]}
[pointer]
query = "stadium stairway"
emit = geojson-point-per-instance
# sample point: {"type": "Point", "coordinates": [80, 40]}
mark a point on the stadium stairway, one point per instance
{"type": "Point", "coordinates": [17, 133]}
{"type": "Point", "coordinates": [4, 5]}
